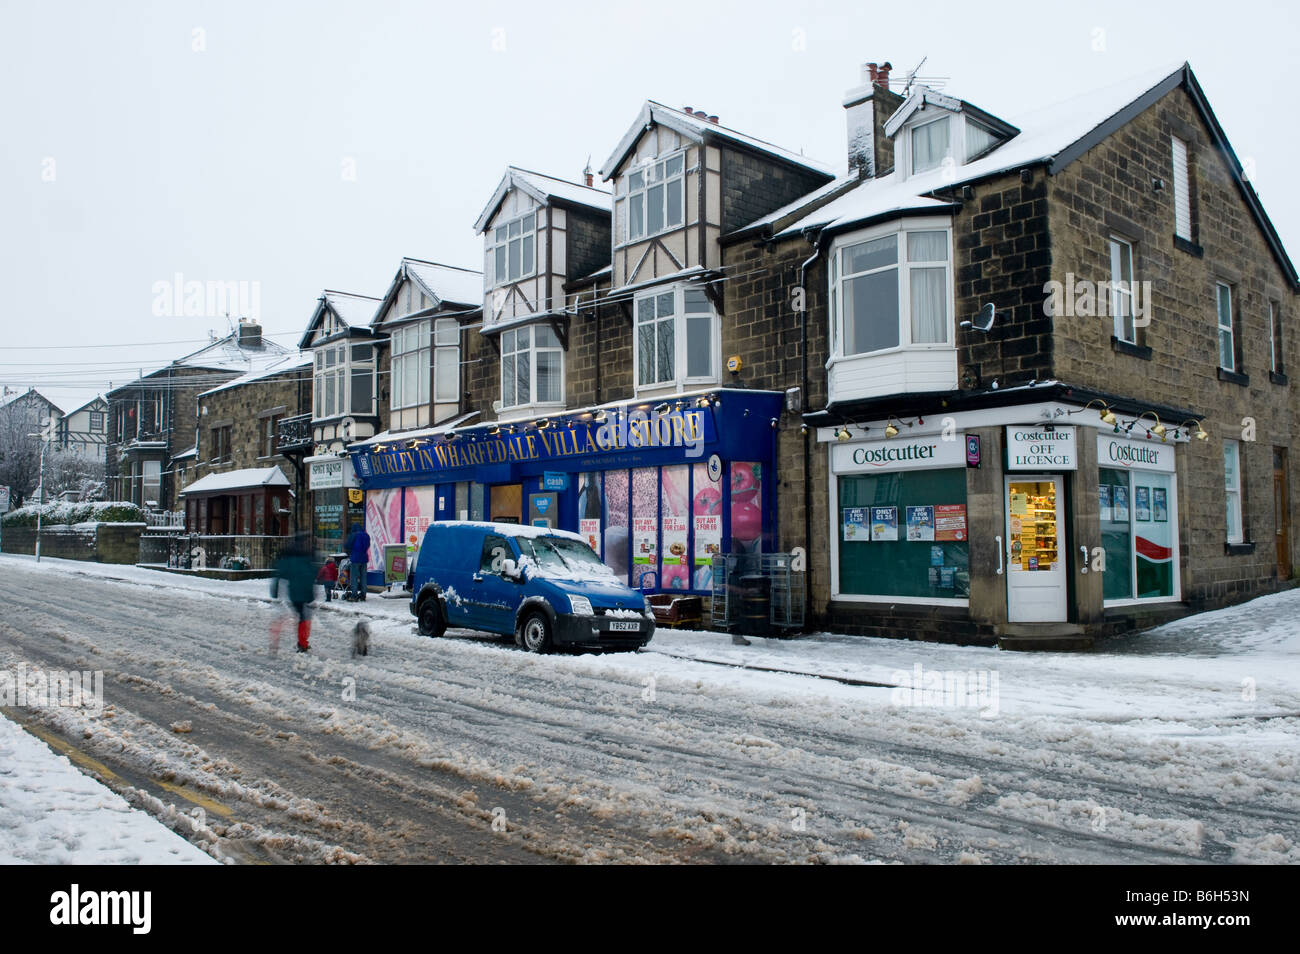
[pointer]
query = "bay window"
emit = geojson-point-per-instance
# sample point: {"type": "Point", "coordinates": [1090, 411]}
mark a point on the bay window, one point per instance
{"type": "Point", "coordinates": [655, 197]}
{"type": "Point", "coordinates": [532, 367]}
{"type": "Point", "coordinates": [512, 254]}
{"type": "Point", "coordinates": [676, 338]}
{"type": "Point", "coordinates": [891, 291]}
{"type": "Point", "coordinates": [411, 346]}
{"type": "Point", "coordinates": [343, 380]}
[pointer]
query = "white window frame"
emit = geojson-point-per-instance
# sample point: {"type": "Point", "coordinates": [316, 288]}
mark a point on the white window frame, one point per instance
{"type": "Point", "coordinates": [911, 143]}
{"type": "Point", "coordinates": [531, 351]}
{"type": "Point", "coordinates": [1222, 330]}
{"type": "Point", "coordinates": [654, 175]}
{"type": "Point", "coordinates": [1121, 290]}
{"type": "Point", "coordinates": [332, 382]}
{"type": "Point", "coordinates": [679, 321]}
{"type": "Point", "coordinates": [1232, 493]}
{"type": "Point", "coordinates": [499, 242]}
{"type": "Point", "coordinates": [904, 268]}
{"type": "Point", "coordinates": [411, 356]}
{"type": "Point", "coordinates": [1182, 189]}
{"type": "Point", "coordinates": [1275, 343]}
{"type": "Point", "coordinates": [446, 348]}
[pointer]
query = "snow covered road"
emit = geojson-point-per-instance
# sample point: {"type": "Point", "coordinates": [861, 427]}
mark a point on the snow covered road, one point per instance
{"type": "Point", "coordinates": [1178, 746]}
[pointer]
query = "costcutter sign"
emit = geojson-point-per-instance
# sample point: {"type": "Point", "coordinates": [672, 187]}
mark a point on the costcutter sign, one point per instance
{"type": "Point", "coordinates": [1042, 448]}
{"type": "Point", "coordinates": [1134, 455]}
{"type": "Point", "coordinates": [883, 456]}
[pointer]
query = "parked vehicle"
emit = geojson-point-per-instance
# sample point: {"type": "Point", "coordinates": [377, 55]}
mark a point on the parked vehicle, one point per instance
{"type": "Point", "coordinates": [546, 587]}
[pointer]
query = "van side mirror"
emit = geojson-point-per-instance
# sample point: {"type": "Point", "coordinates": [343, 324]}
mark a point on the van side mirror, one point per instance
{"type": "Point", "coordinates": [510, 569]}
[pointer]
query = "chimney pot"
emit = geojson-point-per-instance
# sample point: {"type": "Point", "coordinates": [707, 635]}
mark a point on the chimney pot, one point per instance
{"type": "Point", "coordinates": [714, 120]}
{"type": "Point", "coordinates": [882, 76]}
{"type": "Point", "coordinates": [688, 110]}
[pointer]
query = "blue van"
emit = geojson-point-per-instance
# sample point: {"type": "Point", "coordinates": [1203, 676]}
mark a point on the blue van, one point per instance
{"type": "Point", "coordinates": [546, 587]}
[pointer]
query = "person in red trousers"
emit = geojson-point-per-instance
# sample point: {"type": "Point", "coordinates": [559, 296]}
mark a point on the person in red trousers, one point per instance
{"type": "Point", "coordinates": [294, 569]}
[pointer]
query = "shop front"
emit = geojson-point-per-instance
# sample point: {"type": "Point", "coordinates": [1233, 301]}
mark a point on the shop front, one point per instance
{"type": "Point", "coordinates": [657, 489]}
{"type": "Point", "coordinates": [250, 502]}
{"type": "Point", "coordinates": [1137, 491]}
{"type": "Point", "coordinates": [1037, 554]}
{"type": "Point", "coordinates": [337, 502]}
{"type": "Point", "coordinates": [901, 532]}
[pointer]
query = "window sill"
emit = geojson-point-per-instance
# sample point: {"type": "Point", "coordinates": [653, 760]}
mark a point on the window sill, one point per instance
{"type": "Point", "coordinates": [1120, 346]}
{"type": "Point", "coordinates": [1238, 549]}
{"type": "Point", "coordinates": [1191, 248]}
{"type": "Point", "coordinates": [1277, 377]}
{"type": "Point", "coordinates": [1234, 377]}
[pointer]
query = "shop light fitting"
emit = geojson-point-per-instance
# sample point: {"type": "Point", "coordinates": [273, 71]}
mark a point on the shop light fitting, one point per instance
{"type": "Point", "coordinates": [662, 408]}
{"type": "Point", "coordinates": [843, 434]}
{"type": "Point", "coordinates": [1106, 414]}
{"type": "Point", "coordinates": [1199, 433]}
{"type": "Point", "coordinates": [803, 428]}
{"type": "Point", "coordinates": [599, 416]}
{"type": "Point", "coordinates": [380, 448]}
{"type": "Point", "coordinates": [775, 423]}
{"type": "Point", "coordinates": [415, 442]}
{"type": "Point", "coordinates": [494, 430]}
{"type": "Point", "coordinates": [543, 423]}
{"type": "Point", "coordinates": [891, 430]}
{"type": "Point", "coordinates": [1159, 430]}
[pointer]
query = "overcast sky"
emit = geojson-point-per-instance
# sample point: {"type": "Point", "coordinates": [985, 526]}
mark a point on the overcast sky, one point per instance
{"type": "Point", "coordinates": [305, 146]}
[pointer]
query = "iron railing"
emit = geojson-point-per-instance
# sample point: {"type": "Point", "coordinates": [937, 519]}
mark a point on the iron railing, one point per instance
{"type": "Point", "coordinates": [165, 520]}
{"type": "Point", "coordinates": [294, 433]}
{"type": "Point", "coordinates": [194, 551]}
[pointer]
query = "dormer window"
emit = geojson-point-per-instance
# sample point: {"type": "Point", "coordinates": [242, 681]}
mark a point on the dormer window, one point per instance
{"type": "Point", "coordinates": [929, 145]}
{"type": "Point", "coordinates": [655, 197]}
{"type": "Point", "coordinates": [979, 140]}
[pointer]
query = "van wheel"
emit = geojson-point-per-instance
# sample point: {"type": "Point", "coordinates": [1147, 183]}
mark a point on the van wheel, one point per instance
{"type": "Point", "coordinates": [431, 620]}
{"type": "Point", "coordinates": [536, 633]}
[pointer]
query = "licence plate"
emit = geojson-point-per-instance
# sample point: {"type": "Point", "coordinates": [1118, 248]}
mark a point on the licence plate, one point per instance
{"type": "Point", "coordinates": [625, 626]}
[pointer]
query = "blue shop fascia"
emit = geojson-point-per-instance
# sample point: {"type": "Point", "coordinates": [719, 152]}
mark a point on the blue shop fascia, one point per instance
{"type": "Point", "coordinates": [656, 487]}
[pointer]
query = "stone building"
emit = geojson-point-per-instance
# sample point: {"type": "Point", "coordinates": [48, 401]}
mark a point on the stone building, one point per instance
{"type": "Point", "coordinates": [152, 421]}
{"type": "Point", "coordinates": [1041, 362]}
{"type": "Point", "coordinates": [240, 480]}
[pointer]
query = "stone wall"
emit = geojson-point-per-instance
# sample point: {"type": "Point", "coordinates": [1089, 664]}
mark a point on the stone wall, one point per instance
{"type": "Point", "coordinates": [102, 543]}
{"type": "Point", "coordinates": [1109, 192]}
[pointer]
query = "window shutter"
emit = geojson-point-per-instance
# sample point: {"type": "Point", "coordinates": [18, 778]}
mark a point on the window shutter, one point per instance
{"type": "Point", "coordinates": [1182, 192]}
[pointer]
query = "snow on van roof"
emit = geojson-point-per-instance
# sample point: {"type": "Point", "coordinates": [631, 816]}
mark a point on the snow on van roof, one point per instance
{"type": "Point", "coordinates": [512, 529]}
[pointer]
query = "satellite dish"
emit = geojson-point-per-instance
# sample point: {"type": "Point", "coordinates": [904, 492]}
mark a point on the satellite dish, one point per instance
{"type": "Point", "coordinates": [984, 321]}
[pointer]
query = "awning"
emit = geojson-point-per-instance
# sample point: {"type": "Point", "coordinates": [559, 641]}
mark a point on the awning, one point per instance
{"type": "Point", "coordinates": [247, 479]}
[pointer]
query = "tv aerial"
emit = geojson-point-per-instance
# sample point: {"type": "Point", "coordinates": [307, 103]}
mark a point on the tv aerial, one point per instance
{"type": "Point", "coordinates": [984, 320]}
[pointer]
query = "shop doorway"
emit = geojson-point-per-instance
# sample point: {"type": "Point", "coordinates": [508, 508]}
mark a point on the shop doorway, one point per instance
{"type": "Point", "coordinates": [1036, 549]}
{"type": "Point", "coordinates": [506, 503]}
{"type": "Point", "coordinates": [1282, 513]}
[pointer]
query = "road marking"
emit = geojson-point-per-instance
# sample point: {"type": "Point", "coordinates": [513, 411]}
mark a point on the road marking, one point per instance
{"type": "Point", "coordinates": [72, 752]}
{"type": "Point", "coordinates": [207, 804]}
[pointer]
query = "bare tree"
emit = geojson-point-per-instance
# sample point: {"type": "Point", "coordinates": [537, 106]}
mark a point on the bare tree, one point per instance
{"type": "Point", "coordinates": [20, 455]}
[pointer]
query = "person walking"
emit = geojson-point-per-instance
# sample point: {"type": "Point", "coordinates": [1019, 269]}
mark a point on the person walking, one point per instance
{"type": "Point", "coordinates": [358, 547]}
{"type": "Point", "coordinates": [295, 571]}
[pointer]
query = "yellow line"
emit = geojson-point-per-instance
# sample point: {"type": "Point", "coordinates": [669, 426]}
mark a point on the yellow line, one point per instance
{"type": "Point", "coordinates": [75, 754]}
{"type": "Point", "coordinates": [202, 801]}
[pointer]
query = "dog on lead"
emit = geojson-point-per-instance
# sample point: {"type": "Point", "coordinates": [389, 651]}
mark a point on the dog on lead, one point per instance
{"type": "Point", "coordinates": [360, 639]}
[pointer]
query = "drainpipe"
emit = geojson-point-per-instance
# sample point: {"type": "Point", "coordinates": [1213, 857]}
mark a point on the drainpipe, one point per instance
{"type": "Point", "coordinates": [815, 241]}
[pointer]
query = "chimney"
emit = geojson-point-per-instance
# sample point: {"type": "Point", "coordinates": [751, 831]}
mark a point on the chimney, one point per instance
{"type": "Point", "coordinates": [587, 175]}
{"type": "Point", "coordinates": [250, 334]}
{"type": "Point", "coordinates": [867, 106]}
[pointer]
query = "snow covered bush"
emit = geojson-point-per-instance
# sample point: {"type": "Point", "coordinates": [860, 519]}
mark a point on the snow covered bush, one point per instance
{"type": "Point", "coordinates": [65, 512]}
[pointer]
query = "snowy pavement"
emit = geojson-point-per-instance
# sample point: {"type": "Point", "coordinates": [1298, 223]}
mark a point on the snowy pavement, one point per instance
{"type": "Point", "coordinates": [50, 813]}
{"type": "Point", "coordinates": [1178, 745]}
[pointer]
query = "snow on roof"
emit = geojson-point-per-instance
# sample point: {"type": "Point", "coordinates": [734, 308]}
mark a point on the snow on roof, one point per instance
{"type": "Point", "coordinates": [355, 310]}
{"type": "Point", "coordinates": [695, 128]}
{"type": "Point", "coordinates": [1045, 133]}
{"type": "Point", "coordinates": [463, 286]}
{"type": "Point", "coordinates": [238, 480]}
{"type": "Point", "coordinates": [393, 437]}
{"type": "Point", "coordinates": [228, 354]}
{"type": "Point", "coordinates": [265, 366]}
{"type": "Point", "coordinates": [543, 188]}
{"type": "Point", "coordinates": [192, 452]}
{"type": "Point", "coordinates": [30, 392]}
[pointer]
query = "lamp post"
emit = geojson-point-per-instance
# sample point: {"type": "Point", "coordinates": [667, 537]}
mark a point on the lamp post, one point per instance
{"type": "Point", "coordinates": [40, 494]}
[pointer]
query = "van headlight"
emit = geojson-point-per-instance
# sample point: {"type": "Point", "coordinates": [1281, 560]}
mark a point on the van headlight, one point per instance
{"type": "Point", "coordinates": [580, 606]}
